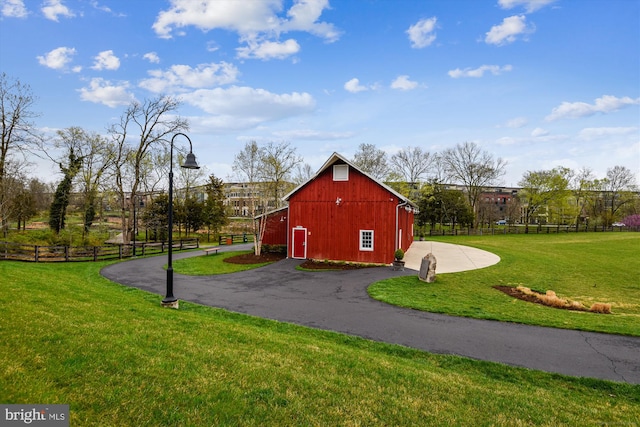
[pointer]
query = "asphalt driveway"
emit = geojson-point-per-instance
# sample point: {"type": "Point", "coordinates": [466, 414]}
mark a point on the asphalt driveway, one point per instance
{"type": "Point", "coordinates": [338, 301]}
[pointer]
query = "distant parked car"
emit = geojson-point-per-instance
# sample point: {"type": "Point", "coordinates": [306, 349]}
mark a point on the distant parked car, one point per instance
{"type": "Point", "coordinates": [618, 224]}
{"type": "Point", "coordinates": [501, 222]}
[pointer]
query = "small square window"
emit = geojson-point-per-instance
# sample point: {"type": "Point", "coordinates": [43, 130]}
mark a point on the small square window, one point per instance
{"type": "Point", "coordinates": [366, 240]}
{"type": "Point", "coordinates": [341, 172]}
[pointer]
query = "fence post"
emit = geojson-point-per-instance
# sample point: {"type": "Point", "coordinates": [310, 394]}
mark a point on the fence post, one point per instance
{"type": "Point", "coordinates": [36, 253]}
{"type": "Point", "coordinates": [66, 253]}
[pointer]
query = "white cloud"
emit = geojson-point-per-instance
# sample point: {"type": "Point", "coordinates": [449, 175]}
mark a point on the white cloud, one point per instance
{"type": "Point", "coordinates": [604, 104]}
{"type": "Point", "coordinates": [479, 72]}
{"type": "Point", "coordinates": [107, 9]}
{"type": "Point", "coordinates": [52, 9]}
{"type": "Point", "coordinates": [539, 132]}
{"type": "Point", "coordinates": [508, 31]}
{"type": "Point", "coordinates": [152, 57]}
{"type": "Point", "coordinates": [312, 135]}
{"type": "Point", "coordinates": [529, 5]}
{"type": "Point", "coordinates": [354, 86]}
{"type": "Point", "coordinates": [106, 60]}
{"type": "Point", "coordinates": [183, 77]}
{"type": "Point", "coordinates": [226, 14]}
{"type": "Point", "coordinates": [304, 15]}
{"type": "Point", "coordinates": [102, 91]}
{"type": "Point", "coordinates": [422, 33]}
{"type": "Point", "coordinates": [403, 83]}
{"type": "Point", "coordinates": [244, 107]}
{"type": "Point", "coordinates": [516, 122]}
{"type": "Point", "coordinates": [268, 50]}
{"type": "Point", "coordinates": [260, 24]}
{"type": "Point", "coordinates": [507, 140]}
{"type": "Point", "coordinates": [538, 135]}
{"type": "Point", "coordinates": [58, 58]}
{"type": "Point", "coordinates": [589, 134]}
{"type": "Point", "coordinates": [14, 9]}
{"type": "Point", "coordinates": [97, 6]}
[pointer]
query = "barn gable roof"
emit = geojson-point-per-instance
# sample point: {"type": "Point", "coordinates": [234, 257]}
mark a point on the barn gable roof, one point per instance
{"type": "Point", "coordinates": [271, 212]}
{"type": "Point", "coordinates": [337, 158]}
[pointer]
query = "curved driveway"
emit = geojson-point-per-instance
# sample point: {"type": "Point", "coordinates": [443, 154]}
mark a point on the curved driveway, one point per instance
{"type": "Point", "coordinates": [338, 301]}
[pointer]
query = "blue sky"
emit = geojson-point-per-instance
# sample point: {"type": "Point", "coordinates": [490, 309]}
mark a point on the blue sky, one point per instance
{"type": "Point", "coordinates": [539, 83]}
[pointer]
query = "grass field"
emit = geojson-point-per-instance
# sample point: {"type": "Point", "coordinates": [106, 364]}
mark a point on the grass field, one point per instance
{"type": "Point", "coordinates": [584, 267]}
{"type": "Point", "coordinates": [67, 335]}
{"type": "Point", "coordinates": [207, 265]}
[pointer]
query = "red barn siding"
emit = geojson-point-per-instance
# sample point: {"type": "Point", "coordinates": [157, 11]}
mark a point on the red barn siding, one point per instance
{"type": "Point", "coordinates": [333, 229]}
{"type": "Point", "coordinates": [275, 232]}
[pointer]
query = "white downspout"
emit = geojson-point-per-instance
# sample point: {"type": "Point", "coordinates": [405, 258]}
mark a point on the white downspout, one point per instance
{"type": "Point", "coordinates": [405, 203]}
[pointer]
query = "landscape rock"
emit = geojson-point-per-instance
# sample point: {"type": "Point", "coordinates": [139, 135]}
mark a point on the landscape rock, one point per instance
{"type": "Point", "coordinates": [428, 269]}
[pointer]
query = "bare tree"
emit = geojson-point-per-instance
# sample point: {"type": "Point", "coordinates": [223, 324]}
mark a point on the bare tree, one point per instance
{"type": "Point", "coordinates": [247, 162]}
{"type": "Point", "coordinates": [303, 173]}
{"type": "Point", "coordinates": [142, 128]}
{"type": "Point", "coordinates": [269, 169]}
{"type": "Point", "coordinates": [97, 155]}
{"type": "Point", "coordinates": [12, 186]}
{"type": "Point", "coordinates": [438, 171]}
{"type": "Point", "coordinates": [412, 163]}
{"type": "Point", "coordinates": [372, 161]}
{"type": "Point", "coordinates": [17, 131]}
{"type": "Point", "coordinates": [277, 162]}
{"type": "Point", "coordinates": [475, 169]}
{"type": "Point", "coordinates": [246, 165]}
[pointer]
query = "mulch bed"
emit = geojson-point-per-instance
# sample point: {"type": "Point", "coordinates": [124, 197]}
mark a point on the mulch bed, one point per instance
{"type": "Point", "coordinates": [515, 293]}
{"type": "Point", "coordinates": [253, 259]}
{"type": "Point", "coordinates": [308, 264]}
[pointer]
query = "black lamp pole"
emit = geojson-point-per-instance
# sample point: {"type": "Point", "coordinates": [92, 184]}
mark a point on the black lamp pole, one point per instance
{"type": "Point", "coordinates": [134, 225]}
{"type": "Point", "coordinates": [137, 204]}
{"type": "Point", "coordinates": [135, 198]}
{"type": "Point", "coordinates": [190, 163]}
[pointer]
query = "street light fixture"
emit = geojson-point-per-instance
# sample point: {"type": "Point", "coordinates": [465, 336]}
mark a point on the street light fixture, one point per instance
{"type": "Point", "coordinates": [189, 163]}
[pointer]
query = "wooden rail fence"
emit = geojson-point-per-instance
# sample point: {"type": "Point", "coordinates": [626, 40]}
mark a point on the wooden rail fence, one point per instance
{"type": "Point", "coordinates": [532, 229]}
{"type": "Point", "coordinates": [230, 239]}
{"type": "Point", "coordinates": [37, 253]}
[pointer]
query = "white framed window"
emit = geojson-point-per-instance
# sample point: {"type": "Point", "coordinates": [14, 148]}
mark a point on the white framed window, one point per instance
{"type": "Point", "coordinates": [341, 172]}
{"type": "Point", "coordinates": [366, 240]}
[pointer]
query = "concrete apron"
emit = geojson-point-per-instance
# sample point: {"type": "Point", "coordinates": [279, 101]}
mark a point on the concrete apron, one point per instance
{"type": "Point", "coordinates": [450, 258]}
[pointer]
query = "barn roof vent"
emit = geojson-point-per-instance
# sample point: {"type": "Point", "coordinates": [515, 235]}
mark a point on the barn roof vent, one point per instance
{"type": "Point", "coordinates": [341, 172]}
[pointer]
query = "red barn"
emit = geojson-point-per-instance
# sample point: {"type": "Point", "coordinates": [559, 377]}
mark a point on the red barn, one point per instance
{"type": "Point", "coordinates": [342, 214]}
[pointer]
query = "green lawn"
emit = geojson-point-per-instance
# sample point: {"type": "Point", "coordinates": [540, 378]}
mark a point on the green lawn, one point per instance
{"type": "Point", "coordinates": [67, 335]}
{"type": "Point", "coordinates": [207, 265]}
{"type": "Point", "coordinates": [585, 267]}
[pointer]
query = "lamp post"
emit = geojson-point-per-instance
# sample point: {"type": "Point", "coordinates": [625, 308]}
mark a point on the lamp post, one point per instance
{"type": "Point", "coordinates": [189, 163]}
{"type": "Point", "coordinates": [134, 225]}
{"type": "Point", "coordinates": [137, 203]}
